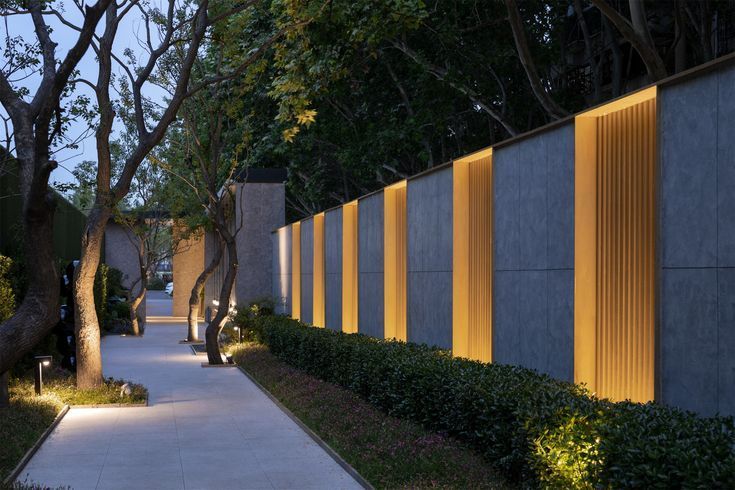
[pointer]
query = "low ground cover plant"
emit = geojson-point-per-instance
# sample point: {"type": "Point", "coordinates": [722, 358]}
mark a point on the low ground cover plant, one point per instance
{"type": "Point", "coordinates": [387, 451]}
{"type": "Point", "coordinates": [537, 430]}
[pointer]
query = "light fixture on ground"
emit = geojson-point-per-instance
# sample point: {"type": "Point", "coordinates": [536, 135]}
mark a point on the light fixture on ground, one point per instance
{"type": "Point", "coordinates": [239, 334]}
{"type": "Point", "coordinates": [41, 362]}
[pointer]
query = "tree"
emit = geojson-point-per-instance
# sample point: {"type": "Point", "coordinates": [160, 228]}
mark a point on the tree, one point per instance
{"type": "Point", "coordinates": [196, 155]}
{"type": "Point", "coordinates": [637, 33]}
{"type": "Point", "coordinates": [149, 232]}
{"type": "Point", "coordinates": [180, 28]}
{"type": "Point", "coordinates": [38, 123]}
{"type": "Point", "coordinates": [168, 66]}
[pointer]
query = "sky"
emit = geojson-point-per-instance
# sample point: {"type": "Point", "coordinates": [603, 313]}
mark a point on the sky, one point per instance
{"type": "Point", "coordinates": [127, 36]}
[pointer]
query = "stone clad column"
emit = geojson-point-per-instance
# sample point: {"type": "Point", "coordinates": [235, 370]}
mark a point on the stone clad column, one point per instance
{"type": "Point", "coordinates": [188, 263]}
{"type": "Point", "coordinates": [260, 209]}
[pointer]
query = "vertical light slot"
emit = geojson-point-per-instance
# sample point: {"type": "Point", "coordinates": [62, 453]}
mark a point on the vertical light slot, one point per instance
{"type": "Point", "coordinates": [472, 266]}
{"type": "Point", "coordinates": [615, 248]}
{"type": "Point", "coordinates": [296, 270]}
{"type": "Point", "coordinates": [349, 267]}
{"type": "Point", "coordinates": [283, 263]}
{"type": "Point", "coordinates": [319, 311]}
{"type": "Point", "coordinates": [394, 275]}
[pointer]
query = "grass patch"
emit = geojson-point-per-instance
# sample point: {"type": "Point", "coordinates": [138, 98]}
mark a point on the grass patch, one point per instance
{"type": "Point", "coordinates": [109, 393]}
{"type": "Point", "coordinates": [388, 452]}
{"type": "Point", "coordinates": [23, 422]}
{"type": "Point", "coordinates": [28, 416]}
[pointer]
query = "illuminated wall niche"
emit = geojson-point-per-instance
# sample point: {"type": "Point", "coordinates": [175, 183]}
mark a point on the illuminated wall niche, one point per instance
{"type": "Point", "coordinates": [296, 270]}
{"type": "Point", "coordinates": [472, 266]}
{"type": "Point", "coordinates": [318, 320]}
{"type": "Point", "coordinates": [349, 267]}
{"type": "Point", "coordinates": [614, 264]}
{"type": "Point", "coordinates": [394, 248]}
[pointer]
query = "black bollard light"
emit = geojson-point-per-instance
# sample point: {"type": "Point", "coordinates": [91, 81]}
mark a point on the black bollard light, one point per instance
{"type": "Point", "coordinates": [239, 334]}
{"type": "Point", "coordinates": [41, 362]}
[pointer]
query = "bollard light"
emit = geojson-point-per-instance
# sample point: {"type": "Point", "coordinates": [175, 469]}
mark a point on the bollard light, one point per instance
{"type": "Point", "coordinates": [41, 362]}
{"type": "Point", "coordinates": [239, 334]}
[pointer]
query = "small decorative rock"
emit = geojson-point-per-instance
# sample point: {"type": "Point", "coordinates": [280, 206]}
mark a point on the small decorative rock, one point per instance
{"type": "Point", "coordinates": [125, 390]}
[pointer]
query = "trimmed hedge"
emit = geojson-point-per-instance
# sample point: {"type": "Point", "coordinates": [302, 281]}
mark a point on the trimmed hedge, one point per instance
{"type": "Point", "coordinates": [7, 295]}
{"type": "Point", "coordinates": [538, 430]}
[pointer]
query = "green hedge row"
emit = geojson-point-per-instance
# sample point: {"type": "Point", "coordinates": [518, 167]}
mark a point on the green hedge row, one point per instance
{"type": "Point", "coordinates": [538, 430]}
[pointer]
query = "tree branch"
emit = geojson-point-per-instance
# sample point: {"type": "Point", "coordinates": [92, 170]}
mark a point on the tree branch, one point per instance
{"type": "Point", "coordinates": [654, 64]}
{"type": "Point", "coordinates": [524, 54]}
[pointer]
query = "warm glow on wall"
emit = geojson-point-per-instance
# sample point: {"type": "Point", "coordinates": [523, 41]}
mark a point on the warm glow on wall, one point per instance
{"type": "Point", "coordinates": [318, 320]}
{"type": "Point", "coordinates": [349, 267]}
{"type": "Point", "coordinates": [283, 276]}
{"type": "Point", "coordinates": [472, 266]}
{"type": "Point", "coordinates": [615, 247]}
{"type": "Point", "coordinates": [296, 270]}
{"type": "Point", "coordinates": [394, 241]}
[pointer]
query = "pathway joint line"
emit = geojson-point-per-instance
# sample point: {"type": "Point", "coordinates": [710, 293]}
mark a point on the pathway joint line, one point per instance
{"type": "Point", "coordinates": [326, 447]}
{"type": "Point", "coordinates": [29, 454]}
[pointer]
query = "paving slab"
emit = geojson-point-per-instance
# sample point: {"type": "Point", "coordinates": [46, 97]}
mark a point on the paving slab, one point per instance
{"type": "Point", "coordinates": [204, 429]}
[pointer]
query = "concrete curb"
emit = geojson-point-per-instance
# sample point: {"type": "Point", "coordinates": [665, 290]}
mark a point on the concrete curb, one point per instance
{"type": "Point", "coordinates": [29, 454]}
{"type": "Point", "coordinates": [331, 452]}
{"type": "Point", "coordinates": [114, 405]}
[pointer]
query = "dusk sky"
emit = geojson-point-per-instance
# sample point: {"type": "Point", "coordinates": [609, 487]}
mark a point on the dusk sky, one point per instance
{"type": "Point", "coordinates": [127, 36]}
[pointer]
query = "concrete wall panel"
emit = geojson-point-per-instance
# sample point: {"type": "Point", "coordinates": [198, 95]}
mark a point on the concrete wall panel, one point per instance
{"type": "Point", "coordinates": [533, 185]}
{"type": "Point", "coordinates": [689, 339]}
{"type": "Point", "coordinates": [429, 257]}
{"type": "Point", "coordinates": [370, 265]}
{"type": "Point", "coordinates": [263, 208]}
{"type": "Point", "coordinates": [697, 301]}
{"type": "Point", "coordinates": [307, 270]}
{"type": "Point", "coordinates": [333, 266]}
{"type": "Point", "coordinates": [688, 114]}
{"type": "Point", "coordinates": [506, 203]}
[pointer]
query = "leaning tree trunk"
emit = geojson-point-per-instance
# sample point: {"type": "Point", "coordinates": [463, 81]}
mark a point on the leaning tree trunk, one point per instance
{"type": "Point", "coordinates": [215, 326]}
{"type": "Point", "coordinates": [89, 357]}
{"type": "Point", "coordinates": [135, 305]}
{"type": "Point", "coordinates": [196, 292]}
{"type": "Point", "coordinates": [143, 271]}
{"type": "Point", "coordinates": [39, 311]}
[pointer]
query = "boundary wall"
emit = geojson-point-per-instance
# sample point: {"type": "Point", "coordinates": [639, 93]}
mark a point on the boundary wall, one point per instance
{"type": "Point", "coordinates": [599, 249]}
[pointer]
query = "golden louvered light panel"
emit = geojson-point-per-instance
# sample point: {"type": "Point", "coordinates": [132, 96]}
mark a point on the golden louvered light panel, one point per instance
{"type": "Point", "coordinates": [472, 270]}
{"type": "Point", "coordinates": [615, 248]}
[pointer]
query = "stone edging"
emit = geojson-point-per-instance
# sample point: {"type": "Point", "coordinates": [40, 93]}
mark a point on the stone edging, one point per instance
{"type": "Point", "coordinates": [331, 452]}
{"type": "Point", "coordinates": [29, 454]}
{"type": "Point", "coordinates": [115, 405]}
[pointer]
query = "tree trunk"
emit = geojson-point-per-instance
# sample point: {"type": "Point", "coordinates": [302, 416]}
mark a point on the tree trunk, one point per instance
{"type": "Point", "coordinates": [89, 357]}
{"type": "Point", "coordinates": [589, 52]}
{"type": "Point", "coordinates": [143, 271]}
{"type": "Point", "coordinates": [135, 305]}
{"type": "Point", "coordinates": [4, 390]}
{"type": "Point", "coordinates": [215, 326]}
{"type": "Point", "coordinates": [39, 311]}
{"type": "Point", "coordinates": [637, 34]}
{"type": "Point", "coordinates": [617, 58]}
{"type": "Point", "coordinates": [196, 292]}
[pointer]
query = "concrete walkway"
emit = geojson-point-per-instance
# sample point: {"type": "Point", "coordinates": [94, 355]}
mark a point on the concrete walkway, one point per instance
{"type": "Point", "coordinates": [204, 429]}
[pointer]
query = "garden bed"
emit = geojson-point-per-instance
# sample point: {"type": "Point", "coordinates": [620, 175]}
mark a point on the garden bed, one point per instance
{"type": "Point", "coordinates": [536, 430]}
{"type": "Point", "coordinates": [29, 416]}
{"type": "Point", "coordinates": [386, 451]}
